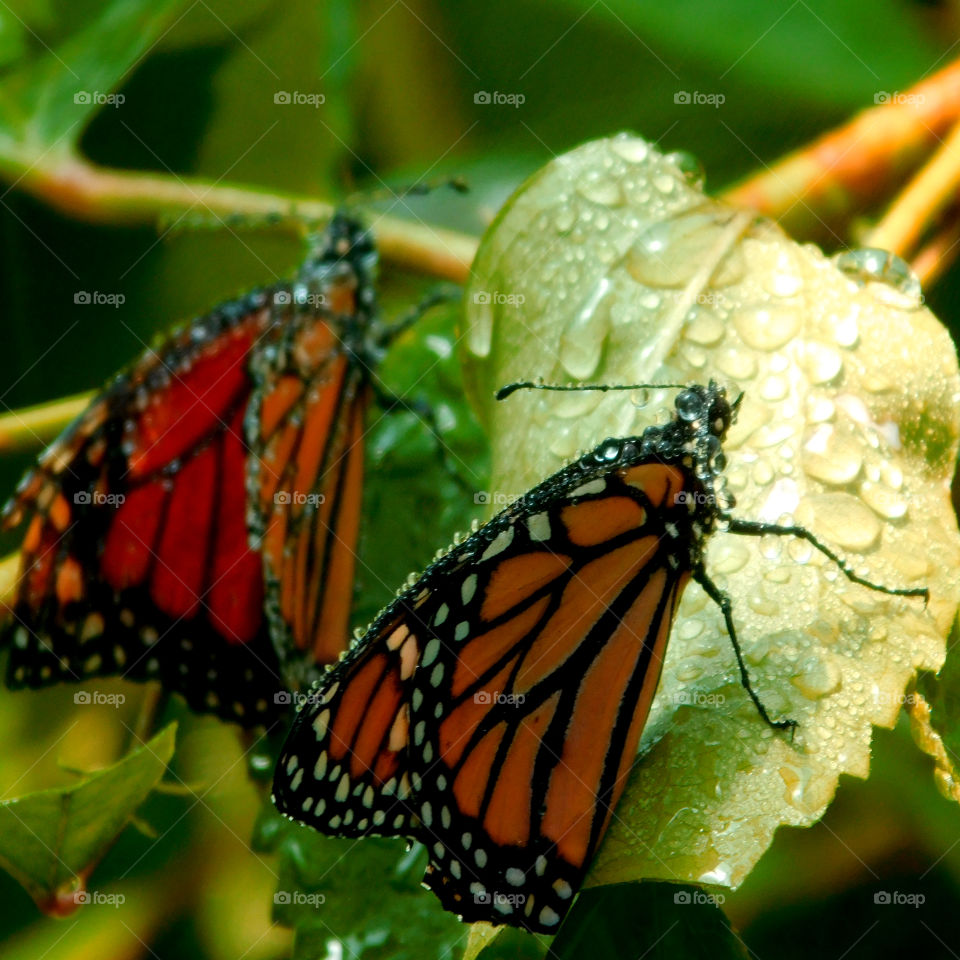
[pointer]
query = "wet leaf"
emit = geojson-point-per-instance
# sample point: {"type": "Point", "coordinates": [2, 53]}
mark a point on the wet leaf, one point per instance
{"type": "Point", "coordinates": [51, 840]}
{"type": "Point", "coordinates": [610, 265]}
{"type": "Point", "coordinates": [650, 920]}
{"type": "Point", "coordinates": [934, 709]}
{"type": "Point", "coordinates": [326, 890]}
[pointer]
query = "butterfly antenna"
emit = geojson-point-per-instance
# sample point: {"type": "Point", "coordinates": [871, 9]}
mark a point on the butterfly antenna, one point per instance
{"type": "Point", "coordinates": [510, 388]}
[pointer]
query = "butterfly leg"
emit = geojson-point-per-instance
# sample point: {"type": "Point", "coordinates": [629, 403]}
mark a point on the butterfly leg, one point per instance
{"type": "Point", "coordinates": [444, 293]}
{"type": "Point", "coordinates": [754, 528]}
{"type": "Point", "coordinates": [420, 408]}
{"type": "Point", "coordinates": [726, 608]}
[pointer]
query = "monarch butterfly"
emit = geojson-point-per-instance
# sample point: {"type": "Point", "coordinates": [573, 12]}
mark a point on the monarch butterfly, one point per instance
{"type": "Point", "coordinates": [494, 709]}
{"type": "Point", "coordinates": [197, 523]}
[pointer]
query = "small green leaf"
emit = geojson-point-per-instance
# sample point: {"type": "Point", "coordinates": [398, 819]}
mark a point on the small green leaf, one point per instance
{"type": "Point", "coordinates": [51, 840]}
{"type": "Point", "coordinates": [46, 102]}
{"type": "Point", "coordinates": [649, 920]}
{"type": "Point", "coordinates": [368, 892]}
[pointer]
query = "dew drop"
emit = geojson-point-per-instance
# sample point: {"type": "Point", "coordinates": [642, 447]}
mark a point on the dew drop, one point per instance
{"type": "Point", "coordinates": [604, 191]}
{"type": "Point", "coordinates": [869, 265]}
{"type": "Point", "coordinates": [764, 328]}
{"type": "Point", "coordinates": [631, 149]}
{"type": "Point", "coordinates": [831, 457]}
{"type": "Point", "coordinates": [584, 336]}
{"type": "Point", "coordinates": [883, 501]}
{"type": "Point", "coordinates": [728, 556]}
{"type": "Point", "coordinates": [821, 362]}
{"type": "Point", "coordinates": [736, 364]}
{"type": "Point", "coordinates": [691, 169]}
{"type": "Point", "coordinates": [841, 518]}
{"type": "Point", "coordinates": [818, 677]}
{"type": "Point", "coordinates": [704, 327]}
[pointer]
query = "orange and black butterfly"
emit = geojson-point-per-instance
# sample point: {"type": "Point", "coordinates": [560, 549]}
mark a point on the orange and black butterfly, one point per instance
{"type": "Point", "coordinates": [494, 709]}
{"type": "Point", "coordinates": [198, 523]}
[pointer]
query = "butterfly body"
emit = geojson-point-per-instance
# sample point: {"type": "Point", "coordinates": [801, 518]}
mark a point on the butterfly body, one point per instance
{"type": "Point", "coordinates": [171, 527]}
{"type": "Point", "coordinates": [494, 709]}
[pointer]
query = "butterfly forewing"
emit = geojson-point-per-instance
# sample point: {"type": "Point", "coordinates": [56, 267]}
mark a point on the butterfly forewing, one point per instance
{"type": "Point", "coordinates": [533, 653]}
{"type": "Point", "coordinates": [217, 477]}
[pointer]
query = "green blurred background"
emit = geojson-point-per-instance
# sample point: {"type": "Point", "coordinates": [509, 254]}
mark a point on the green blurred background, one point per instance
{"type": "Point", "coordinates": [399, 81]}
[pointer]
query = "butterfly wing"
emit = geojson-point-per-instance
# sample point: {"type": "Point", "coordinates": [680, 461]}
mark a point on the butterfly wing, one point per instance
{"type": "Point", "coordinates": [135, 560]}
{"type": "Point", "coordinates": [538, 645]}
{"type": "Point", "coordinates": [307, 424]}
{"type": "Point", "coordinates": [138, 557]}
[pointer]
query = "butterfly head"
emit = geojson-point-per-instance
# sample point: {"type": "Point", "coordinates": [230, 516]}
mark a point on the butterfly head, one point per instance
{"type": "Point", "coordinates": [345, 242]}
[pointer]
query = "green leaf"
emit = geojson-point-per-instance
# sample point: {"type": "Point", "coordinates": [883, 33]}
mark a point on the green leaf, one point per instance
{"type": "Point", "coordinates": [51, 840]}
{"type": "Point", "coordinates": [367, 895]}
{"type": "Point", "coordinates": [46, 102]}
{"type": "Point", "coordinates": [656, 921]}
{"type": "Point", "coordinates": [934, 709]}
{"type": "Point", "coordinates": [812, 51]}
{"type": "Point", "coordinates": [610, 266]}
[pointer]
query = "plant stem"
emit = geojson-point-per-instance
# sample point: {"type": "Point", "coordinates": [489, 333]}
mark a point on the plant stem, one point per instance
{"type": "Point", "coordinates": [852, 166]}
{"type": "Point", "coordinates": [921, 201]}
{"type": "Point", "coordinates": [31, 427]}
{"type": "Point", "coordinates": [102, 195]}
